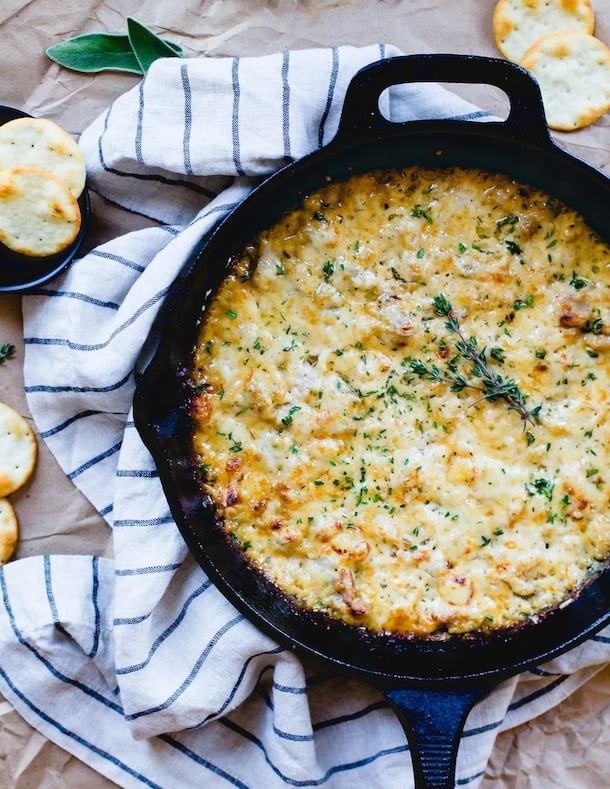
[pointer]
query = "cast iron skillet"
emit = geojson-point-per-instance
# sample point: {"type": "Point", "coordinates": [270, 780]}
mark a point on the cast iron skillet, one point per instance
{"type": "Point", "coordinates": [431, 684]}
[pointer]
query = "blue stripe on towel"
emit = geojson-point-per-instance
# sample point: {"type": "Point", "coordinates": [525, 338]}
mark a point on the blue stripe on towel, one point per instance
{"type": "Point", "coordinates": [188, 118]}
{"type": "Point", "coordinates": [94, 461]}
{"type": "Point", "coordinates": [151, 570]}
{"type": "Point", "coordinates": [97, 616]}
{"type": "Point", "coordinates": [33, 388]}
{"type": "Point", "coordinates": [52, 431]}
{"type": "Point", "coordinates": [286, 104]}
{"type": "Point", "coordinates": [145, 523]}
{"type": "Point", "coordinates": [167, 632]}
{"type": "Point", "coordinates": [76, 346]}
{"type": "Point", "coordinates": [44, 661]}
{"type": "Point", "coordinates": [235, 117]}
{"type": "Point", "coordinates": [332, 84]}
{"type": "Point", "coordinates": [334, 770]}
{"type": "Point", "coordinates": [193, 672]}
{"type": "Point", "coordinates": [66, 294]}
{"type": "Point", "coordinates": [81, 741]}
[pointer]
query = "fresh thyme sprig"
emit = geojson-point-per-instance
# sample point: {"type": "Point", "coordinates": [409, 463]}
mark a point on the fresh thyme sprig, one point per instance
{"type": "Point", "coordinates": [493, 385]}
{"type": "Point", "coordinates": [7, 351]}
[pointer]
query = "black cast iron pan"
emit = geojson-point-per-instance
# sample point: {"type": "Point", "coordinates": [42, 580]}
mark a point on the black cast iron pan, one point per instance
{"type": "Point", "coordinates": [432, 684]}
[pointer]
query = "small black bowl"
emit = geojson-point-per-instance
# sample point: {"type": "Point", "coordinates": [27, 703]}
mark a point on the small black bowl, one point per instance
{"type": "Point", "coordinates": [23, 272]}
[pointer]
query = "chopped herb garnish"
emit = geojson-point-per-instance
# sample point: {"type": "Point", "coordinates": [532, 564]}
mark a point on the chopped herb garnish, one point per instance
{"type": "Point", "coordinates": [593, 326]}
{"type": "Point", "coordinates": [235, 446]}
{"type": "Point", "coordinates": [328, 269]}
{"type": "Point", "coordinates": [419, 211]}
{"type": "Point", "coordinates": [577, 282]}
{"type": "Point", "coordinates": [287, 420]}
{"type": "Point", "coordinates": [512, 247]}
{"type": "Point", "coordinates": [511, 219]}
{"type": "Point", "coordinates": [542, 486]}
{"type": "Point", "coordinates": [521, 304]}
{"type": "Point", "coordinates": [7, 351]}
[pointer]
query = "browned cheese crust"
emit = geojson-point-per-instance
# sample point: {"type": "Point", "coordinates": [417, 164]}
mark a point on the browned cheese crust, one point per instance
{"type": "Point", "coordinates": [400, 402]}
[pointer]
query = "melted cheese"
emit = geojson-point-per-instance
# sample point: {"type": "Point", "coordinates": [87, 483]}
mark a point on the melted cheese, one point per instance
{"type": "Point", "coordinates": [354, 482]}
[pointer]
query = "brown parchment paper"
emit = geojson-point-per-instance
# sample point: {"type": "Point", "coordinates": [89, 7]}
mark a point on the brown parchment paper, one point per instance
{"type": "Point", "coordinates": [567, 747]}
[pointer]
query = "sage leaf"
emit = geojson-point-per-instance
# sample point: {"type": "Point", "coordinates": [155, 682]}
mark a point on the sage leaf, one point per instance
{"type": "Point", "coordinates": [146, 45]}
{"type": "Point", "coordinates": [94, 52]}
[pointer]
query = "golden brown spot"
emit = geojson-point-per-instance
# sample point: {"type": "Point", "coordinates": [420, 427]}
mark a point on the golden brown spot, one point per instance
{"type": "Point", "coordinates": [203, 406]}
{"type": "Point", "coordinates": [350, 594]}
{"type": "Point", "coordinates": [456, 589]}
{"type": "Point", "coordinates": [233, 464]}
{"type": "Point", "coordinates": [7, 189]}
{"type": "Point", "coordinates": [231, 498]}
{"type": "Point", "coordinates": [562, 50]}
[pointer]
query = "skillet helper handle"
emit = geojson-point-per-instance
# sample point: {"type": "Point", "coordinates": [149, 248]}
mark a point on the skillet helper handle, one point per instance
{"type": "Point", "coordinates": [361, 115]}
{"type": "Point", "coordinates": [433, 721]}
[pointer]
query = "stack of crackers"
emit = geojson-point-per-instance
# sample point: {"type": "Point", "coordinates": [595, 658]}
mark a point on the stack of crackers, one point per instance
{"type": "Point", "coordinates": [553, 39]}
{"type": "Point", "coordinates": [18, 454]}
{"type": "Point", "coordinates": [42, 175]}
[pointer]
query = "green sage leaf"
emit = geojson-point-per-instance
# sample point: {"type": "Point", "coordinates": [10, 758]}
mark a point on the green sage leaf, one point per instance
{"type": "Point", "coordinates": [146, 45]}
{"type": "Point", "coordinates": [94, 52]}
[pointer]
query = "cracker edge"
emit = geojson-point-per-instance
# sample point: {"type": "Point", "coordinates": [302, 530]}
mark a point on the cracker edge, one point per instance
{"type": "Point", "coordinates": [70, 197]}
{"type": "Point", "coordinates": [9, 532]}
{"type": "Point", "coordinates": [585, 118]}
{"type": "Point", "coordinates": [27, 474]}
{"type": "Point", "coordinates": [498, 25]}
{"type": "Point", "coordinates": [68, 139]}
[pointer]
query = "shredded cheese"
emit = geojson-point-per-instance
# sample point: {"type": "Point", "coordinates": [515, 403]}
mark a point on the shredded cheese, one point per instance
{"type": "Point", "coordinates": [388, 498]}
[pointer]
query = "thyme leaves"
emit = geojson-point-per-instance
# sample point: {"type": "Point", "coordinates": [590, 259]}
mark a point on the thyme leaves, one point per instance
{"type": "Point", "coordinates": [7, 351]}
{"type": "Point", "coordinates": [479, 374]}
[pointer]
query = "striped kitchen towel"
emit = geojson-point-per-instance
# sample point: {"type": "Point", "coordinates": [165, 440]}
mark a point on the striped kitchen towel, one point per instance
{"type": "Point", "coordinates": [137, 664]}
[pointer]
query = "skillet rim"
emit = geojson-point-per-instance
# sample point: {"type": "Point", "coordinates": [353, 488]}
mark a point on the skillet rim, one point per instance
{"type": "Point", "coordinates": [160, 414]}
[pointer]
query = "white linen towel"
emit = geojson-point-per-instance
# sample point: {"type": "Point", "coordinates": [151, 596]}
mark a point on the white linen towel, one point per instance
{"type": "Point", "coordinates": [138, 665]}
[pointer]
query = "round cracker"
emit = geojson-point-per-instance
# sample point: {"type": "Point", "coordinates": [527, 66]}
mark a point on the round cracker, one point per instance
{"type": "Point", "coordinates": [573, 71]}
{"type": "Point", "coordinates": [39, 142]}
{"type": "Point", "coordinates": [9, 530]}
{"type": "Point", "coordinates": [39, 215]}
{"type": "Point", "coordinates": [517, 24]}
{"type": "Point", "coordinates": [18, 450]}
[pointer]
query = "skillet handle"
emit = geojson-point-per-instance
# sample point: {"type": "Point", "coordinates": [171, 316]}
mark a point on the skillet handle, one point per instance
{"type": "Point", "coordinates": [361, 116]}
{"type": "Point", "coordinates": [433, 721]}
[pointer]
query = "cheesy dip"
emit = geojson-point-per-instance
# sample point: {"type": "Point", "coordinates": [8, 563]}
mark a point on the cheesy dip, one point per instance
{"type": "Point", "coordinates": [400, 398]}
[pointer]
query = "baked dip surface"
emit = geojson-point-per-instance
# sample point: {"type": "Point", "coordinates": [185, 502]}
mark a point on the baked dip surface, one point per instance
{"type": "Point", "coordinates": [399, 402]}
